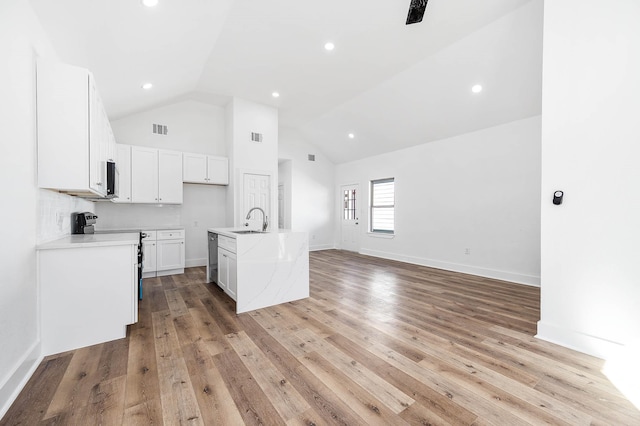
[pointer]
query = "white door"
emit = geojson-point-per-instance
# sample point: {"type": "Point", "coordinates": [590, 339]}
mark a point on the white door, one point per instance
{"type": "Point", "coordinates": [350, 213]}
{"type": "Point", "coordinates": [281, 206]}
{"type": "Point", "coordinates": [257, 193]}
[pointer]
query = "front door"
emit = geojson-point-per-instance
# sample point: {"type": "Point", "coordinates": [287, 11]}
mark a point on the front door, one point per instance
{"type": "Point", "coordinates": [350, 213]}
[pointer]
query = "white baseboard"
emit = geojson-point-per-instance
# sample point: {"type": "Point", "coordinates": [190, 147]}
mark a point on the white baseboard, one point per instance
{"type": "Point", "coordinates": [530, 280]}
{"type": "Point", "coordinates": [581, 342]}
{"type": "Point", "coordinates": [192, 263]}
{"type": "Point", "coordinates": [321, 247]}
{"type": "Point", "coordinates": [21, 374]}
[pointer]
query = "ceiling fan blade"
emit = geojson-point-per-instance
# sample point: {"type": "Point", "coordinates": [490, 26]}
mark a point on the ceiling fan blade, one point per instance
{"type": "Point", "coordinates": [416, 11]}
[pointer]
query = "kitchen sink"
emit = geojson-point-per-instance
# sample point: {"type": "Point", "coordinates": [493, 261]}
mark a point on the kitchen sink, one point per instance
{"type": "Point", "coordinates": [248, 231]}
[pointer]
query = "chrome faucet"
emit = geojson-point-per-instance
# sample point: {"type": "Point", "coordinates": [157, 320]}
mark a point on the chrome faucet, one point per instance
{"type": "Point", "coordinates": [265, 219]}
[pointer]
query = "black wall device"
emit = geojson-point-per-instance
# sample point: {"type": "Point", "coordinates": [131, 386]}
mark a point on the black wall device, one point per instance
{"type": "Point", "coordinates": [416, 11]}
{"type": "Point", "coordinates": [557, 197]}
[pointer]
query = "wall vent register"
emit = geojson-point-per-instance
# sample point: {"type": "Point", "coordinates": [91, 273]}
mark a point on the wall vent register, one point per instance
{"type": "Point", "coordinates": [311, 157]}
{"type": "Point", "coordinates": [256, 137]}
{"type": "Point", "coordinates": [159, 129]}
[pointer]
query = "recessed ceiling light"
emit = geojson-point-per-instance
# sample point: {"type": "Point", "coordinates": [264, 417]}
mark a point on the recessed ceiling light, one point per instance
{"type": "Point", "coordinates": [329, 46]}
{"type": "Point", "coordinates": [150, 3]}
{"type": "Point", "coordinates": [476, 89]}
{"type": "Point", "coordinates": [147, 86]}
{"type": "Point", "coordinates": [275, 94]}
{"type": "Point", "coordinates": [352, 136]}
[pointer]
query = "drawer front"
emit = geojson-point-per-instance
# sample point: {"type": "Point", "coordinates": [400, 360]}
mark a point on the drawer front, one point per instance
{"type": "Point", "coordinates": [227, 243]}
{"type": "Point", "coordinates": [171, 234]}
{"type": "Point", "coordinates": [150, 235]}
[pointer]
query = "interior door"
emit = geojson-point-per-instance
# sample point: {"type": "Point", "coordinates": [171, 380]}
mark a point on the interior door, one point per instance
{"type": "Point", "coordinates": [350, 213]}
{"type": "Point", "coordinates": [257, 193]}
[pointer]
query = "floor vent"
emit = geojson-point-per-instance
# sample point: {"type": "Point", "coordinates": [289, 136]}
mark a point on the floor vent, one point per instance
{"type": "Point", "coordinates": [256, 137]}
{"type": "Point", "coordinates": [159, 129]}
{"type": "Point", "coordinates": [311, 157]}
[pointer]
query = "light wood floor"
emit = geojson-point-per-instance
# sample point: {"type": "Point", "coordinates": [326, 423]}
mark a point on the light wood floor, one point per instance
{"type": "Point", "coordinates": [378, 342]}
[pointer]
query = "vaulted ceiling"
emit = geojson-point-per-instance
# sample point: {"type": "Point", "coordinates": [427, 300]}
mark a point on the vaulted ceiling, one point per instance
{"type": "Point", "coordinates": [389, 84]}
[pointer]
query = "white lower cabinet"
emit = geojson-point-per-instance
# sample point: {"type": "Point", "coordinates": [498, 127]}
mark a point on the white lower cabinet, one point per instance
{"type": "Point", "coordinates": [228, 272]}
{"type": "Point", "coordinates": [149, 267]}
{"type": "Point", "coordinates": [163, 252]}
{"type": "Point", "coordinates": [170, 254]}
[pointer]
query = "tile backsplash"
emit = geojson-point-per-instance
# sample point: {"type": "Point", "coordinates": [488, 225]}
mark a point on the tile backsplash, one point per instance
{"type": "Point", "coordinates": [54, 213]}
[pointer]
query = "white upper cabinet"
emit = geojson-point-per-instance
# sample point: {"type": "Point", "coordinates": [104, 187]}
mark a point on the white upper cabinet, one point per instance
{"type": "Point", "coordinates": [74, 135]}
{"type": "Point", "coordinates": [170, 177]}
{"type": "Point", "coordinates": [207, 169]}
{"type": "Point", "coordinates": [123, 161]}
{"type": "Point", "coordinates": [156, 176]}
{"type": "Point", "coordinates": [144, 175]}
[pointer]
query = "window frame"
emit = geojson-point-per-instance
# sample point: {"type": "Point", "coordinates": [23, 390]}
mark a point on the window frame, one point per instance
{"type": "Point", "coordinates": [372, 207]}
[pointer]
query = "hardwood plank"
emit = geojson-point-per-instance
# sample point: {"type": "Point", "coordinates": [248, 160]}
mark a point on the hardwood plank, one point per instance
{"type": "Point", "coordinates": [106, 403]}
{"type": "Point", "coordinates": [370, 409]}
{"type": "Point", "coordinates": [214, 399]}
{"type": "Point", "coordinates": [284, 397]}
{"type": "Point", "coordinates": [74, 390]}
{"type": "Point", "coordinates": [38, 392]}
{"type": "Point", "coordinates": [322, 399]}
{"type": "Point", "coordinates": [253, 405]}
{"type": "Point", "coordinates": [176, 391]}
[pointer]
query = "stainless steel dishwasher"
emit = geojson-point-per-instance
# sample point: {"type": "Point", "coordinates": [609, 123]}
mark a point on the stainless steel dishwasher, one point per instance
{"type": "Point", "coordinates": [213, 257]}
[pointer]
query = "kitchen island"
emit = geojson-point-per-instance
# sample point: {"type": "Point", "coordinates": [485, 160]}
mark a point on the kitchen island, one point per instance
{"type": "Point", "coordinates": [260, 269]}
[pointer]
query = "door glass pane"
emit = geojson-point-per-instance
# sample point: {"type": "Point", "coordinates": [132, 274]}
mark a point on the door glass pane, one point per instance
{"type": "Point", "coordinates": [349, 205]}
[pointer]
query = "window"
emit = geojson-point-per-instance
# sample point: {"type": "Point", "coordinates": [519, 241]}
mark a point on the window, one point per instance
{"type": "Point", "coordinates": [383, 205]}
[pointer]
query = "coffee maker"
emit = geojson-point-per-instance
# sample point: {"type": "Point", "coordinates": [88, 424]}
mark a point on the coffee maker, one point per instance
{"type": "Point", "coordinates": [82, 223]}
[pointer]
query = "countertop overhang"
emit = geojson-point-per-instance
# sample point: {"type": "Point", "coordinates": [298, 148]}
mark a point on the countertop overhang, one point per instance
{"type": "Point", "coordinates": [91, 240]}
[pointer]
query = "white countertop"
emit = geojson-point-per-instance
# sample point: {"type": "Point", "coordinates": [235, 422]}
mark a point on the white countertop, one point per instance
{"type": "Point", "coordinates": [229, 232]}
{"type": "Point", "coordinates": [139, 229]}
{"type": "Point", "coordinates": [92, 240]}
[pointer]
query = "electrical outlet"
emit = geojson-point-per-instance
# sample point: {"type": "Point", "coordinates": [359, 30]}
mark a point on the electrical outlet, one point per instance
{"type": "Point", "coordinates": [467, 251]}
{"type": "Point", "coordinates": [313, 237]}
{"type": "Point", "coordinates": [195, 223]}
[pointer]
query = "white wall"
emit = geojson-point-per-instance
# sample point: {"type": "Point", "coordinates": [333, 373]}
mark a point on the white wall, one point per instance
{"type": "Point", "coordinates": [590, 133]}
{"type": "Point", "coordinates": [479, 191]}
{"type": "Point", "coordinates": [243, 118]}
{"type": "Point", "coordinates": [193, 127]}
{"type": "Point", "coordinates": [311, 189]}
{"type": "Point", "coordinates": [30, 215]}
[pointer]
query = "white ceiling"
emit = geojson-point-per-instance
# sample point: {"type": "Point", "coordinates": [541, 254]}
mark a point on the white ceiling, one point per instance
{"type": "Point", "coordinates": [392, 85]}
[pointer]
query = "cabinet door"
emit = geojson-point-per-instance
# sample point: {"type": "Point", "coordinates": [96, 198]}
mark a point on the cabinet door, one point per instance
{"type": "Point", "coordinates": [170, 177]}
{"type": "Point", "coordinates": [232, 282]}
{"type": "Point", "coordinates": [194, 168]}
{"type": "Point", "coordinates": [123, 163]}
{"type": "Point", "coordinates": [218, 170]}
{"type": "Point", "coordinates": [149, 256]}
{"type": "Point", "coordinates": [97, 143]}
{"type": "Point", "coordinates": [223, 268]}
{"type": "Point", "coordinates": [144, 175]}
{"type": "Point", "coordinates": [170, 254]}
